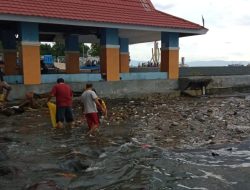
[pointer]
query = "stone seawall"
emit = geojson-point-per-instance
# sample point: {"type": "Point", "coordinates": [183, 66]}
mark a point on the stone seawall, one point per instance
{"type": "Point", "coordinates": [106, 89]}
{"type": "Point", "coordinates": [219, 84]}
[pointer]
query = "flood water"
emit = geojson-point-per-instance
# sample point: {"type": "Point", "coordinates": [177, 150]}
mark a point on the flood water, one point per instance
{"type": "Point", "coordinates": [34, 156]}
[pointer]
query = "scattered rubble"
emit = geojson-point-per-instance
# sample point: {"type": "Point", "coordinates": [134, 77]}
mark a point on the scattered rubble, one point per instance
{"type": "Point", "coordinates": [160, 120]}
{"type": "Point", "coordinates": [182, 122]}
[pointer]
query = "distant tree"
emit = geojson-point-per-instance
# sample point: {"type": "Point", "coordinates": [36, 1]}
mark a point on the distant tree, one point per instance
{"type": "Point", "coordinates": [95, 50]}
{"type": "Point", "coordinates": [86, 49]}
{"type": "Point", "coordinates": [45, 49]}
{"type": "Point", "coordinates": [58, 49]}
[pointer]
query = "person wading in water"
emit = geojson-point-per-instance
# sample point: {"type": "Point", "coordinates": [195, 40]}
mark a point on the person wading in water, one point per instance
{"type": "Point", "coordinates": [64, 95]}
{"type": "Point", "coordinates": [90, 102]}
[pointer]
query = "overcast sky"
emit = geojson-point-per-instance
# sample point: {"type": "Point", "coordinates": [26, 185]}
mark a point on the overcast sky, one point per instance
{"type": "Point", "coordinates": [228, 37]}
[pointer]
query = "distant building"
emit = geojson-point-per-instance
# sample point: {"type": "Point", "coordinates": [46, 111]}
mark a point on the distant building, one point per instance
{"type": "Point", "coordinates": [236, 65]}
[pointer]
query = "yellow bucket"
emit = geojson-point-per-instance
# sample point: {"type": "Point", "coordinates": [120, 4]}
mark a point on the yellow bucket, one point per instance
{"type": "Point", "coordinates": [1, 97]}
{"type": "Point", "coordinates": [52, 111]}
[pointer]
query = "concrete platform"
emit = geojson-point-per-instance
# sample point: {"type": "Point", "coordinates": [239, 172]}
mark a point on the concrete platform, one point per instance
{"type": "Point", "coordinates": [218, 84]}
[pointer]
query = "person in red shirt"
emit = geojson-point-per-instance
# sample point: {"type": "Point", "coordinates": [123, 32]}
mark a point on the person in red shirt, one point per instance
{"type": "Point", "coordinates": [64, 95]}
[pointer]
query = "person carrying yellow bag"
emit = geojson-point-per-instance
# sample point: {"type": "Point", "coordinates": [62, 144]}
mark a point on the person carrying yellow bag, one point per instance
{"type": "Point", "coordinates": [64, 96]}
{"type": "Point", "coordinates": [5, 89]}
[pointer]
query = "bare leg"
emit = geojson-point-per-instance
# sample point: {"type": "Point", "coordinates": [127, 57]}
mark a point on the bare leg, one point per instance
{"type": "Point", "coordinates": [70, 124]}
{"type": "Point", "coordinates": [93, 129]}
{"type": "Point", "coordinates": [6, 95]}
{"type": "Point", "coordinates": [59, 125]}
{"type": "Point", "coordinates": [8, 89]}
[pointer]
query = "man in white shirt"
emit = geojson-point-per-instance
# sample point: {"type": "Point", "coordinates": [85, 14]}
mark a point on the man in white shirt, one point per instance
{"type": "Point", "coordinates": [90, 102]}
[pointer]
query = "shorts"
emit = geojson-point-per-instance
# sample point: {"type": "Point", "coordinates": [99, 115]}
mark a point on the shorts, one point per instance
{"type": "Point", "coordinates": [64, 114]}
{"type": "Point", "coordinates": [92, 119]}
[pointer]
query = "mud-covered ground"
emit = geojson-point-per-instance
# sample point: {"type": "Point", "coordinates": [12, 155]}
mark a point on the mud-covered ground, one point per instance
{"type": "Point", "coordinates": [172, 122]}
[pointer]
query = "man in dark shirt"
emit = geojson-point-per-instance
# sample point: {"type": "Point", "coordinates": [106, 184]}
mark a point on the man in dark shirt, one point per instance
{"type": "Point", "coordinates": [64, 95]}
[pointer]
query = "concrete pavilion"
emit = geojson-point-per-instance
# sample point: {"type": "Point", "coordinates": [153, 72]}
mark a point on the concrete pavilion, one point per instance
{"type": "Point", "coordinates": [113, 24]}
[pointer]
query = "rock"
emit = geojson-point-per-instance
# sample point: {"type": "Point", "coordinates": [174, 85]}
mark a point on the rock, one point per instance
{"type": "Point", "coordinates": [5, 129]}
{"type": "Point", "coordinates": [184, 115]}
{"type": "Point", "coordinates": [74, 165]}
{"type": "Point", "coordinates": [239, 128]}
{"type": "Point", "coordinates": [44, 185]}
{"type": "Point", "coordinates": [3, 156]}
{"type": "Point", "coordinates": [136, 116]}
{"type": "Point", "coordinates": [158, 128]}
{"type": "Point", "coordinates": [215, 154]}
{"type": "Point", "coordinates": [200, 118]}
{"type": "Point", "coordinates": [210, 111]}
{"type": "Point", "coordinates": [242, 106]}
{"type": "Point", "coordinates": [212, 142]}
{"type": "Point", "coordinates": [169, 140]}
{"type": "Point", "coordinates": [175, 124]}
{"type": "Point", "coordinates": [8, 171]}
{"type": "Point", "coordinates": [8, 112]}
{"type": "Point", "coordinates": [211, 136]}
{"type": "Point", "coordinates": [5, 140]}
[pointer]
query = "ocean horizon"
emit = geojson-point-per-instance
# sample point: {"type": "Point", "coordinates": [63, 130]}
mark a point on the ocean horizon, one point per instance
{"type": "Point", "coordinates": [213, 63]}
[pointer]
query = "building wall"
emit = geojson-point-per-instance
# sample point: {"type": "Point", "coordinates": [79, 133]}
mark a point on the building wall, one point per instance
{"type": "Point", "coordinates": [144, 76]}
{"type": "Point", "coordinates": [75, 78]}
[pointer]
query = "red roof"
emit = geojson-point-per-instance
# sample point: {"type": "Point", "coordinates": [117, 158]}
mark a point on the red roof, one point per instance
{"type": "Point", "coordinates": [131, 12]}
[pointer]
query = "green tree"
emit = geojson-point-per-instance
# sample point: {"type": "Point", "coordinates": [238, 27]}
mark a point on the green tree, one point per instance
{"type": "Point", "coordinates": [95, 50]}
{"type": "Point", "coordinates": [45, 49]}
{"type": "Point", "coordinates": [58, 49]}
{"type": "Point", "coordinates": [86, 49]}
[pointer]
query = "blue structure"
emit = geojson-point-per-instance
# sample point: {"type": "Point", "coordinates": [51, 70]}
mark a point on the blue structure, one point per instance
{"type": "Point", "coordinates": [48, 59]}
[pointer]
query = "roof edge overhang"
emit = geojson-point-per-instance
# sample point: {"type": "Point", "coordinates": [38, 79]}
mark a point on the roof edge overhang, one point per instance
{"type": "Point", "coordinates": [46, 20]}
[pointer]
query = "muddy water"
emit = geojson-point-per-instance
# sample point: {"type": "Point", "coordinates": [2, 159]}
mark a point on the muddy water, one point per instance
{"type": "Point", "coordinates": [34, 156]}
